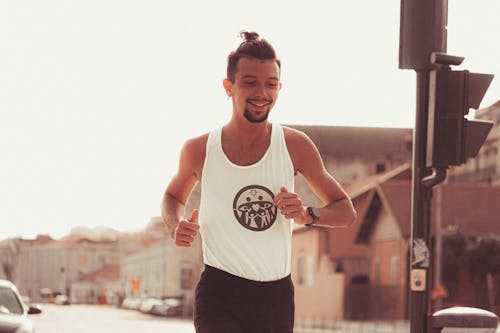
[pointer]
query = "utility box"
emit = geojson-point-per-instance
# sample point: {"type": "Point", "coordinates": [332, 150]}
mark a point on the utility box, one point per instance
{"type": "Point", "coordinates": [463, 320]}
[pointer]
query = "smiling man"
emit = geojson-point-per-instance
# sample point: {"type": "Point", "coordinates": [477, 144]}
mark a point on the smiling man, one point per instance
{"type": "Point", "coordinates": [248, 204]}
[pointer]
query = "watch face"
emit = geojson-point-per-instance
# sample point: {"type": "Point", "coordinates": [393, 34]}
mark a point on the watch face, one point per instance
{"type": "Point", "coordinates": [314, 213]}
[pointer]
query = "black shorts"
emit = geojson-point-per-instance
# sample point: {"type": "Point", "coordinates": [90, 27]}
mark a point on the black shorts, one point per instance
{"type": "Point", "coordinates": [225, 303]}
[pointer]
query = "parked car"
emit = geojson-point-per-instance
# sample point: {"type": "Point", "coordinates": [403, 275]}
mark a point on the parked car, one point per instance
{"type": "Point", "coordinates": [62, 300]}
{"type": "Point", "coordinates": [26, 300]}
{"type": "Point", "coordinates": [132, 303]}
{"type": "Point", "coordinates": [169, 307]}
{"type": "Point", "coordinates": [13, 312]}
{"type": "Point", "coordinates": [148, 303]}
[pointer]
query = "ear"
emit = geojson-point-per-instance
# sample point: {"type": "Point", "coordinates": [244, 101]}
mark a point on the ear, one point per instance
{"type": "Point", "coordinates": [228, 87]}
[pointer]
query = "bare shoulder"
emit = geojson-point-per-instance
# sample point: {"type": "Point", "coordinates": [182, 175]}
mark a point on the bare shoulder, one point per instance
{"type": "Point", "coordinates": [301, 148]}
{"type": "Point", "coordinates": [296, 139]}
{"type": "Point", "coordinates": [193, 154]}
{"type": "Point", "coordinates": [196, 145]}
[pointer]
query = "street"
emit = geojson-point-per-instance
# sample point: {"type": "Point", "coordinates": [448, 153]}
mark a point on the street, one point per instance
{"type": "Point", "coordinates": [103, 319]}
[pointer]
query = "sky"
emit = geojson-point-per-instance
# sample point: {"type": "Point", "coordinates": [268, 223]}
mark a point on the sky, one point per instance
{"type": "Point", "coordinates": [98, 96]}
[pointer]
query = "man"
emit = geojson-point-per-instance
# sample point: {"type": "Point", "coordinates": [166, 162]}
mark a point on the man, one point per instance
{"type": "Point", "coordinates": [247, 206]}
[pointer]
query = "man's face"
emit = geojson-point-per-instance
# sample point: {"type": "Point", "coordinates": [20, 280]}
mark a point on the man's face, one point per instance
{"type": "Point", "coordinates": [255, 88]}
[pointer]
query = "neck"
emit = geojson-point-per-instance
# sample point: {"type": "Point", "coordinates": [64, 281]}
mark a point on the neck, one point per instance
{"type": "Point", "coordinates": [243, 130]}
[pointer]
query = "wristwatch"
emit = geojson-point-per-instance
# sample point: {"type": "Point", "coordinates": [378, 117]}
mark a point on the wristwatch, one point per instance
{"type": "Point", "coordinates": [314, 213]}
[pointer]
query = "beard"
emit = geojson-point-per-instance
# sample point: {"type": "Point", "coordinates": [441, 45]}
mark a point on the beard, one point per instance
{"type": "Point", "coordinates": [255, 119]}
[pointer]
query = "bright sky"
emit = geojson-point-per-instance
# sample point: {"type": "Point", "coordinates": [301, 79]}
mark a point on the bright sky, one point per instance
{"type": "Point", "coordinates": [97, 96]}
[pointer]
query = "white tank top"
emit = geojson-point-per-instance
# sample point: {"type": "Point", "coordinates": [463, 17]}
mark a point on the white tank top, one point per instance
{"type": "Point", "coordinates": [243, 233]}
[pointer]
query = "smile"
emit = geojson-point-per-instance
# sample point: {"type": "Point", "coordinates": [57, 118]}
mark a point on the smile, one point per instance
{"type": "Point", "coordinates": [258, 103]}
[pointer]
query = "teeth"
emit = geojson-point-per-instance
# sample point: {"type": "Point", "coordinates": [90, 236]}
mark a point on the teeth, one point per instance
{"type": "Point", "coordinates": [259, 104]}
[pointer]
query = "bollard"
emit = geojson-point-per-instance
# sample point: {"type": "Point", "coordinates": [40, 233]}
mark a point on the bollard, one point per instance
{"type": "Point", "coordinates": [464, 319]}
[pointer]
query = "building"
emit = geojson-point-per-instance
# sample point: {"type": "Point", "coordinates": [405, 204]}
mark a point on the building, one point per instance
{"type": "Point", "coordinates": [45, 270]}
{"type": "Point", "coordinates": [161, 270]}
{"type": "Point", "coordinates": [385, 227]}
{"type": "Point", "coordinates": [354, 153]}
{"type": "Point", "coordinates": [9, 254]}
{"type": "Point", "coordinates": [328, 264]}
{"type": "Point", "coordinates": [102, 286]}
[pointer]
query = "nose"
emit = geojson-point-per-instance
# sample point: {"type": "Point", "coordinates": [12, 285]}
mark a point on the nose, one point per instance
{"type": "Point", "coordinates": [260, 91]}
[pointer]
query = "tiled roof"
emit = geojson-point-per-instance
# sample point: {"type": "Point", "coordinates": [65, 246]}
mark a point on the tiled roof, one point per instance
{"type": "Point", "coordinates": [474, 208]}
{"type": "Point", "coordinates": [368, 142]}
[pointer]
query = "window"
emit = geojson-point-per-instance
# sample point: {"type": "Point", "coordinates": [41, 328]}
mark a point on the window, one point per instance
{"type": "Point", "coordinates": [82, 259]}
{"type": "Point", "coordinates": [186, 278]}
{"type": "Point", "coordinates": [157, 273]}
{"type": "Point", "coordinates": [380, 167]}
{"type": "Point", "coordinates": [376, 269]}
{"type": "Point", "coordinates": [394, 270]}
{"type": "Point", "coordinates": [305, 270]}
{"type": "Point", "coordinates": [301, 270]}
{"type": "Point", "coordinates": [9, 303]}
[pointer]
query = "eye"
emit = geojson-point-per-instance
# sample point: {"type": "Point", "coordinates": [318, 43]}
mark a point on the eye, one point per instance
{"type": "Point", "coordinates": [249, 83]}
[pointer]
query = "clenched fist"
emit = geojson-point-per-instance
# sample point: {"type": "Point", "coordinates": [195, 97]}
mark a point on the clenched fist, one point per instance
{"type": "Point", "coordinates": [186, 230]}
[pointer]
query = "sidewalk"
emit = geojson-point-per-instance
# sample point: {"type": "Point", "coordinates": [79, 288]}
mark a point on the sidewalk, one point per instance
{"type": "Point", "coordinates": [353, 327]}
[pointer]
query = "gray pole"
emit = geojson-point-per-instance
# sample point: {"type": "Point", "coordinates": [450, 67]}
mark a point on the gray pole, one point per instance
{"type": "Point", "coordinates": [419, 250]}
{"type": "Point", "coordinates": [422, 32]}
{"type": "Point", "coordinates": [438, 248]}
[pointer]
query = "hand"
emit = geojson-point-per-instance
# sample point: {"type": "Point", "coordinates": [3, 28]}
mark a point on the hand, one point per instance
{"type": "Point", "coordinates": [186, 230]}
{"type": "Point", "coordinates": [291, 206]}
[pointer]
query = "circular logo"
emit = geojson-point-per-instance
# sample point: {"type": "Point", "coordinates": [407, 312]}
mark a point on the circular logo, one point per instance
{"type": "Point", "coordinates": [254, 208]}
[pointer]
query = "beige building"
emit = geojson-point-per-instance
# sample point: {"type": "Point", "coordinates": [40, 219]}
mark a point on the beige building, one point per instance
{"type": "Point", "coordinates": [161, 269]}
{"type": "Point", "coordinates": [99, 287]}
{"type": "Point", "coordinates": [354, 153]}
{"type": "Point", "coordinates": [54, 266]}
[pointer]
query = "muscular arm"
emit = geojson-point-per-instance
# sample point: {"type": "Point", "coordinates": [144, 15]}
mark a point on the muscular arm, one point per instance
{"type": "Point", "coordinates": [180, 187]}
{"type": "Point", "coordinates": [338, 210]}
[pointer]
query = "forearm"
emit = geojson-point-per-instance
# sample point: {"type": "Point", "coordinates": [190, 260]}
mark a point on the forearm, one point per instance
{"type": "Point", "coordinates": [171, 211]}
{"type": "Point", "coordinates": [340, 213]}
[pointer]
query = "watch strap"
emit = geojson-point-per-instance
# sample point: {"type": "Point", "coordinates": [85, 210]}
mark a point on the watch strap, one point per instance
{"type": "Point", "coordinates": [315, 216]}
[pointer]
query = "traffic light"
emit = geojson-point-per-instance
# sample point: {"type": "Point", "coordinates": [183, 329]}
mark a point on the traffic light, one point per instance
{"type": "Point", "coordinates": [451, 138]}
{"type": "Point", "coordinates": [422, 30]}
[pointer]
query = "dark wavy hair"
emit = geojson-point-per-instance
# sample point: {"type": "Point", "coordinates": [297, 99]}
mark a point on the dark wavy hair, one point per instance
{"type": "Point", "coordinates": [253, 46]}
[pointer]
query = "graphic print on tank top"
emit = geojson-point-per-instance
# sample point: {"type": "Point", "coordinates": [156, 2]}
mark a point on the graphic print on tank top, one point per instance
{"type": "Point", "coordinates": [254, 208]}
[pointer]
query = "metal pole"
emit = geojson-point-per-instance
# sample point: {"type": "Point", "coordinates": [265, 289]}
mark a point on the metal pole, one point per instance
{"type": "Point", "coordinates": [421, 196]}
{"type": "Point", "coordinates": [438, 248]}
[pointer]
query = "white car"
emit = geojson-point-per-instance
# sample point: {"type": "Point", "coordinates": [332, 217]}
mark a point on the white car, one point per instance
{"type": "Point", "coordinates": [148, 304]}
{"type": "Point", "coordinates": [62, 300]}
{"type": "Point", "coordinates": [13, 312]}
